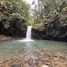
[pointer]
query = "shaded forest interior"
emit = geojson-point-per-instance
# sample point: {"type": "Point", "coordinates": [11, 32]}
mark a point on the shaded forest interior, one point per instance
{"type": "Point", "coordinates": [49, 21]}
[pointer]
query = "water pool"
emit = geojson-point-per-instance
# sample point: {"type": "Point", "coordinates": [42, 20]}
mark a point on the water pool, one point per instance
{"type": "Point", "coordinates": [19, 53]}
{"type": "Point", "coordinates": [17, 47]}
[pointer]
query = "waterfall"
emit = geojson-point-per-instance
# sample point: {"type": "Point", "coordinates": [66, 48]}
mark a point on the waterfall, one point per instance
{"type": "Point", "coordinates": [28, 33]}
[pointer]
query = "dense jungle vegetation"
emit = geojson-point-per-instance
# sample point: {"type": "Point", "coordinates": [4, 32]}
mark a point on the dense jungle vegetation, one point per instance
{"type": "Point", "coordinates": [49, 19]}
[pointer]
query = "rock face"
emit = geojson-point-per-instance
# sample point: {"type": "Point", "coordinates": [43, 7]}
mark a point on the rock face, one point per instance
{"type": "Point", "coordinates": [37, 34]}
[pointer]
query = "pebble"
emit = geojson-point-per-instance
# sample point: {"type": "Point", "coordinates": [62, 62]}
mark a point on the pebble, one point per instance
{"type": "Point", "coordinates": [44, 66]}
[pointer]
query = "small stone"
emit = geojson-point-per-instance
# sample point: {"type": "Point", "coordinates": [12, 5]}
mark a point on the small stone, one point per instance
{"type": "Point", "coordinates": [55, 58]}
{"type": "Point", "coordinates": [44, 66]}
{"type": "Point", "coordinates": [16, 65]}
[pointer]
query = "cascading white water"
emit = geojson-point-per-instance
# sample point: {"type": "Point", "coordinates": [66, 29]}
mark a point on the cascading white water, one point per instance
{"type": "Point", "coordinates": [28, 33]}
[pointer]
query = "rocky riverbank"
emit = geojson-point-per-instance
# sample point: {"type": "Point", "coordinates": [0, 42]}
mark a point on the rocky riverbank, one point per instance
{"type": "Point", "coordinates": [38, 59]}
{"type": "Point", "coordinates": [5, 38]}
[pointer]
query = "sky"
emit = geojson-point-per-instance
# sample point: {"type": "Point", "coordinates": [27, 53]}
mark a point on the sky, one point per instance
{"type": "Point", "coordinates": [32, 6]}
{"type": "Point", "coordinates": [30, 2]}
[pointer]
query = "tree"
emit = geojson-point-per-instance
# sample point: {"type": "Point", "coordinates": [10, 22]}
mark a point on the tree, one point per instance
{"type": "Point", "coordinates": [14, 14]}
{"type": "Point", "coordinates": [51, 17]}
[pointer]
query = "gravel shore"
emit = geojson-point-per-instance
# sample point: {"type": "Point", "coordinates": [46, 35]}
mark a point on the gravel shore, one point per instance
{"type": "Point", "coordinates": [38, 59]}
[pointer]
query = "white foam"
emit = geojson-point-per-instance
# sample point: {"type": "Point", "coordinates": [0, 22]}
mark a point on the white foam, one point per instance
{"type": "Point", "coordinates": [26, 40]}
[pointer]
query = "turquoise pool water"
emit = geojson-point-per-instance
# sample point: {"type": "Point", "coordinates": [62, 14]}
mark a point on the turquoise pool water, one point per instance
{"type": "Point", "coordinates": [17, 47]}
